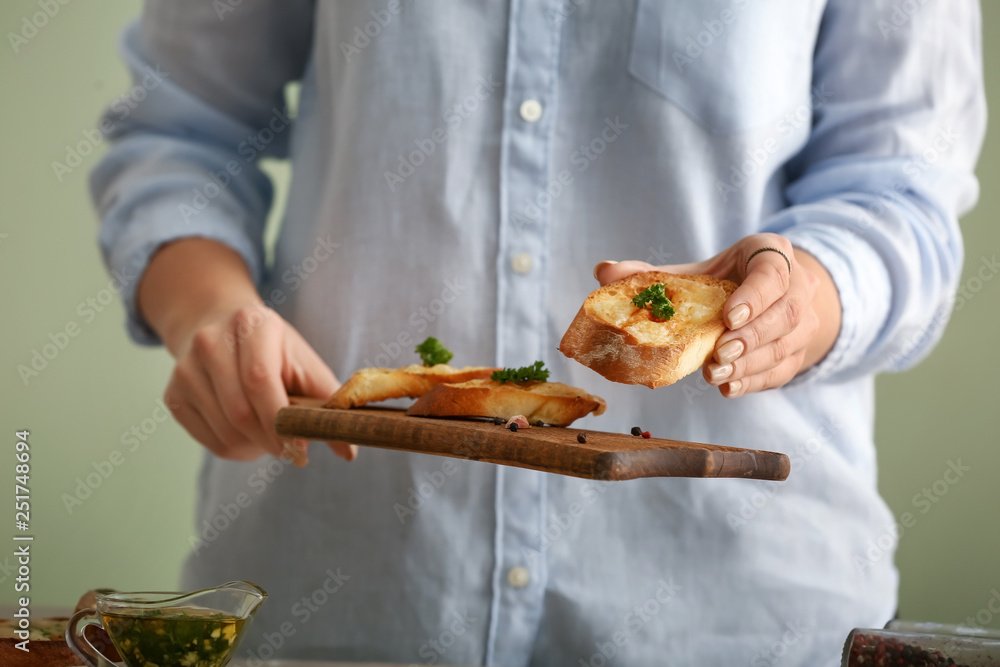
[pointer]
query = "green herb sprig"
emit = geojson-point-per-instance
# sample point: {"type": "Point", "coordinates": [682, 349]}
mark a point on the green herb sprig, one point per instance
{"type": "Point", "coordinates": [432, 352]}
{"type": "Point", "coordinates": [657, 299]}
{"type": "Point", "coordinates": [536, 372]}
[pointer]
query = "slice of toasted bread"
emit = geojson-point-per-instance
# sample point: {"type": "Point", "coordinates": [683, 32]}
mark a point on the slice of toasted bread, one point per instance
{"type": "Point", "coordinates": [625, 344]}
{"type": "Point", "coordinates": [553, 403]}
{"type": "Point", "coordinates": [47, 644]}
{"type": "Point", "coordinates": [380, 384]}
{"type": "Point", "coordinates": [47, 639]}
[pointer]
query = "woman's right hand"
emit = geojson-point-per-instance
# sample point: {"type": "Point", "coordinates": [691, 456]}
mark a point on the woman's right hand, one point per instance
{"type": "Point", "coordinates": [237, 360]}
{"type": "Point", "coordinates": [234, 372]}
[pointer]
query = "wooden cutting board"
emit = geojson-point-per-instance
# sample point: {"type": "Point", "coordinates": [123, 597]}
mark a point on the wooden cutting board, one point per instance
{"type": "Point", "coordinates": [605, 456]}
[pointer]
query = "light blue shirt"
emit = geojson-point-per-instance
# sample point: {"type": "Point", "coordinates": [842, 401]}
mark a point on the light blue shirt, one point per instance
{"type": "Point", "coordinates": [458, 170]}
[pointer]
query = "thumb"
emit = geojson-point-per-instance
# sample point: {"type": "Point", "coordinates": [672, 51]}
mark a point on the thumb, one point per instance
{"type": "Point", "coordinates": [316, 381]}
{"type": "Point", "coordinates": [306, 374]}
{"type": "Point", "coordinates": [608, 272]}
{"type": "Point", "coordinates": [312, 377]}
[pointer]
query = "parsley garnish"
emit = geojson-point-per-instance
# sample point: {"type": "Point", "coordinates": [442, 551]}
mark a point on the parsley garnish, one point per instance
{"type": "Point", "coordinates": [535, 372]}
{"type": "Point", "coordinates": [432, 352]}
{"type": "Point", "coordinates": [657, 299]}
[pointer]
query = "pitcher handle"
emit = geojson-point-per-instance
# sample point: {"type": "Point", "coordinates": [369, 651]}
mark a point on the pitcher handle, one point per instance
{"type": "Point", "coordinates": [77, 639]}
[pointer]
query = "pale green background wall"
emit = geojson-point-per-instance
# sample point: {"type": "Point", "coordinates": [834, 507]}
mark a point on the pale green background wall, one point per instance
{"type": "Point", "coordinates": [131, 533]}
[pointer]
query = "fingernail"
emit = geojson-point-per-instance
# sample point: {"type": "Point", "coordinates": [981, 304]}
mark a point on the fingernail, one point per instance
{"type": "Point", "coordinates": [349, 454]}
{"type": "Point", "coordinates": [295, 451]}
{"type": "Point", "coordinates": [730, 351]}
{"type": "Point", "coordinates": [303, 448]}
{"type": "Point", "coordinates": [720, 372]}
{"type": "Point", "coordinates": [734, 387]}
{"type": "Point", "coordinates": [738, 315]}
{"type": "Point", "coordinates": [601, 265]}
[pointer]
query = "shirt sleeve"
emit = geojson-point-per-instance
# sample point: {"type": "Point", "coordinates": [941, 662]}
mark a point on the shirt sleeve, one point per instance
{"type": "Point", "coordinates": [875, 195]}
{"type": "Point", "coordinates": [207, 102]}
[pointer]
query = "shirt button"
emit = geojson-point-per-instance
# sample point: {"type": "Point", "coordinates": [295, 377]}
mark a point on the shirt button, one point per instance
{"type": "Point", "coordinates": [531, 110]}
{"type": "Point", "coordinates": [521, 263]}
{"type": "Point", "coordinates": [518, 577]}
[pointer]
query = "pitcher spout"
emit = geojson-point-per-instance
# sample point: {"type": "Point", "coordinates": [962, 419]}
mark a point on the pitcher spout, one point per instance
{"type": "Point", "coordinates": [235, 598]}
{"type": "Point", "coordinates": [253, 596]}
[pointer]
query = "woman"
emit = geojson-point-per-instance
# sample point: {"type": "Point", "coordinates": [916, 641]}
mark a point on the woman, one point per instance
{"type": "Point", "coordinates": [458, 170]}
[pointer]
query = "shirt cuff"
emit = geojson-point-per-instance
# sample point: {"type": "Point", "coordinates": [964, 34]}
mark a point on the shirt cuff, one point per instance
{"type": "Point", "coordinates": [155, 224]}
{"type": "Point", "coordinates": [864, 289]}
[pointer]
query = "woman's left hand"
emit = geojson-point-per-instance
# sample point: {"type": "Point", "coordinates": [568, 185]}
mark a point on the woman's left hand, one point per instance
{"type": "Point", "coordinates": [782, 319]}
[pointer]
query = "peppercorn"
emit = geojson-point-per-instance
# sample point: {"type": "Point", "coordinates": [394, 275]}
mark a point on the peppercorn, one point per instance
{"type": "Point", "coordinates": [539, 423]}
{"type": "Point", "coordinates": [873, 650]}
{"type": "Point", "coordinates": [581, 438]}
{"type": "Point", "coordinates": [498, 421]}
{"type": "Point", "coordinates": [636, 430]}
{"type": "Point", "coordinates": [513, 427]}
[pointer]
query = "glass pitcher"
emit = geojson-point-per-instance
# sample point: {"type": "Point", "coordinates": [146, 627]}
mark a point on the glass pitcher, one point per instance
{"type": "Point", "coordinates": [200, 629]}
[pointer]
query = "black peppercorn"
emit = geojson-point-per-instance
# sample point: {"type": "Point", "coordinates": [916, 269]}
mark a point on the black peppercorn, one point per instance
{"type": "Point", "coordinates": [513, 427]}
{"type": "Point", "coordinates": [636, 430]}
{"type": "Point", "coordinates": [539, 423]}
{"type": "Point", "coordinates": [875, 650]}
{"type": "Point", "coordinates": [581, 438]}
{"type": "Point", "coordinates": [498, 421]}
